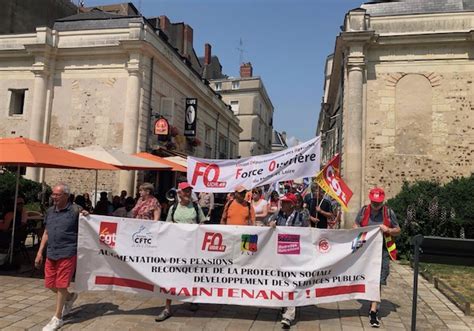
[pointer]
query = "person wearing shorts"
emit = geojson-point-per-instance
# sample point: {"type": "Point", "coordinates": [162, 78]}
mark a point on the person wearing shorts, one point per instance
{"type": "Point", "coordinates": [60, 239]}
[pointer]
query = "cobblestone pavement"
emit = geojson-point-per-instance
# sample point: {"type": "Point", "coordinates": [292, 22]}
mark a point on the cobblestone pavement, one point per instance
{"type": "Point", "coordinates": [26, 305]}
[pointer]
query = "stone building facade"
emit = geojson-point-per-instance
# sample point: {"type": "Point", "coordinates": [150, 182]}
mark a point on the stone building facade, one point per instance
{"type": "Point", "coordinates": [99, 78]}
{"type": "Point", "coordinates": [250, 102]}
{"type": "Point", "coordinates": [399, 95]}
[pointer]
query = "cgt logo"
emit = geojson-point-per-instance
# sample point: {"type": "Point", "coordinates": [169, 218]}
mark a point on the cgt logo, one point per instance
{"type": "Point", "coordinates": [213, 242]}
{"type": "Point", "coordinates": [210, 174]}
{"type": "Point", "coordinates": [108, 234]}
{"type": "Point", "coordinates": [359, 241]}
{"type": "Point", "coordinates": [249, 243]}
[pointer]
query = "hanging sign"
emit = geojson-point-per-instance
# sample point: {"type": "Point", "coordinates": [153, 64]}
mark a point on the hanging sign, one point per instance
{"type": "Point", "coordinates": [162, 127]}
{"type": "Point", "coordinates": [190, 117]}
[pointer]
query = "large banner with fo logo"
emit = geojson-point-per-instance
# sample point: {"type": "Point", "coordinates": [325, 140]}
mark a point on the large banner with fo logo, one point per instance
{"type": "Point", "coordinates": [207, 175]}
{"type": "Point", "coordinates": [243, 265]}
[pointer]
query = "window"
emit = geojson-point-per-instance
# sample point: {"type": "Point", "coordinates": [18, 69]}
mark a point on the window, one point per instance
{"type": "Point", "coordinates": [167, 109]}
{"type": "Point", "coordinates": [218, 86]}
{"type": "Point", "coordinates": [235, 85]}
{"type": "Point", "coordinates": [222, 147]}
{"type": "Point", "coordinates": [17, 101]}
{"type": "Point", "coordinates": [208, 135]}
{"type": "Point", "coordinates": [208, 152]}
{"type": "Point", "coordinates": [207, 142]}
{"type": "Point", "coordinates": [232, 150]}
{"type": "Point", "coordinates": [234, 105]}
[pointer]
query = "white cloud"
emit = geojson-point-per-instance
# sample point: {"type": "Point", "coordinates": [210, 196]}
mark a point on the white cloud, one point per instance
{"type": "Point", "coordinates": [292, 141]}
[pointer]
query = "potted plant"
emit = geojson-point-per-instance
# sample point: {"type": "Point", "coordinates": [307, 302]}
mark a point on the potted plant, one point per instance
{"type": "Point", "coordinates": [194, 142]}
{"type": "Point", "coordinates": [174, 131]}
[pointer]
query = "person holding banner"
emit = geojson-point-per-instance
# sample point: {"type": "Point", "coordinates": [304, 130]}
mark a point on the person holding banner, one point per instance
{"type": "Point", "coordinates": [288, 216]}
{"type": "Point", "coordinates": [60, 236]}
{"type": "Point", "coordinates": [377, 213]}
{"type": "Point", "coordinates": [147, 207]}
{"type": "Point", "coordinates": [186, 211]}
{"type": "Point", "coordinates": [238, 211]}
{"type": "Point", "coordinates": [302, 211]}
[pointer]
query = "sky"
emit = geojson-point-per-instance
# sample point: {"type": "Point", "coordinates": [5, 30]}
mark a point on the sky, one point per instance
{"type": "Point", "coordinates": [287, 42]}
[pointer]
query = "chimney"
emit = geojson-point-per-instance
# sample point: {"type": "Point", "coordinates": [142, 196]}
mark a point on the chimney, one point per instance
{"type": "Point", "coordinates": [164, 24]}
{"type": "Point", "coordinates": [246, 70]}
{"type": "Point", "coordinates": [187, 41]}
{"type": "Point", "coordinates": [207, 54]}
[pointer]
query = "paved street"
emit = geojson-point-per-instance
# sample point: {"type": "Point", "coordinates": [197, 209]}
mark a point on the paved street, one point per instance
{"type": "Point", "coordinates": [26, 305]}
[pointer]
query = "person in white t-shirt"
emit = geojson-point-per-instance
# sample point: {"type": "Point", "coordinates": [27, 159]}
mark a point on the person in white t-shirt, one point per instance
{"type": "Point", "coordinates": [260, 205]}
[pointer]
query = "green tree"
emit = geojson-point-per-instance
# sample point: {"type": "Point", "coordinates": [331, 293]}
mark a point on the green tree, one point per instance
{"type": "Point", "coordinates": [29, 189]}
{"type": "Point", "coordinates": [432, 209]}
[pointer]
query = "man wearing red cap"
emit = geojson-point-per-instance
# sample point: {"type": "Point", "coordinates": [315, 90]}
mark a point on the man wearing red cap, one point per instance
{"type": "Point", "coordinates": [288, 216]}
{"type": "Point", "coordinates": [377, 213]}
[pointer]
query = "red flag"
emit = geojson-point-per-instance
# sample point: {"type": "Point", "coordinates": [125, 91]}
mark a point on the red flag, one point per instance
{"type": "Point", "coordinates": [330, 181]}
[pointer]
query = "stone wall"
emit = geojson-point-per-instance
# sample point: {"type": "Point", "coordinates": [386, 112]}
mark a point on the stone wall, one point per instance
{"type": "Point", "coordinates": [419, 123]}
{"type": "Point", "coordinates": [16, 125]}
{"type": "Point", "coordinates": [88, 109]}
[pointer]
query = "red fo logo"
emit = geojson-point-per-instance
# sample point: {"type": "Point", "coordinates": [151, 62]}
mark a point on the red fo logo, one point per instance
{"type": "Point", "coordinates": [213, 242]}
{"type": "Point", "coordinates": [210, 175]}
{"type": "Point", "coordinates": [108, 234]}
{"type": "Point", "coordinates": [324, 246]}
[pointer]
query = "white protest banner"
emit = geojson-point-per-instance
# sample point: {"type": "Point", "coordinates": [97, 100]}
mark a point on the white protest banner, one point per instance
{"type": "Point", "coordinates": [207, 175]}
{"type": "Point", "coordinates": [243, 265]}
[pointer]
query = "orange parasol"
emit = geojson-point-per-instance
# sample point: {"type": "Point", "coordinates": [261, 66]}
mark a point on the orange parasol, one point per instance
{"type": "Point", "coordinates": [23, 152]}
{"type": "Point", "coordinates": [174, 166]}
{"type": "Point", "coordinates": [29, 153]}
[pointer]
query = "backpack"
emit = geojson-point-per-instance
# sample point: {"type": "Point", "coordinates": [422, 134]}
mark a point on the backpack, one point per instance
{"type": "Point", "coordinates": [196, 208]}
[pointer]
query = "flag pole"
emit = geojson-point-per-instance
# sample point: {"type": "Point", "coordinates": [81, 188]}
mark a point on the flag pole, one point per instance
{"type": "Point", "coordinates": [14, 213]}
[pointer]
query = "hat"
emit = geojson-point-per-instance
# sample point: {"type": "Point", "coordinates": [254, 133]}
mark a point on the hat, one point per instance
{"type": "Point", "coordinates": [290, 197]}
{"type": "Point", "coordinates": [377, 195]}
{"type": "Point", "coordinates": [183, 186]}
{"type": "Point", "coordinates": [240, 189]}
